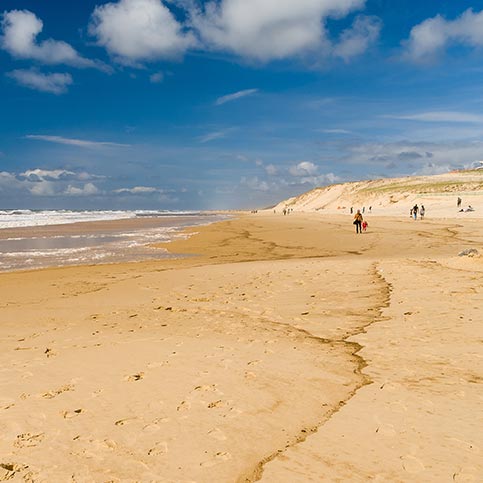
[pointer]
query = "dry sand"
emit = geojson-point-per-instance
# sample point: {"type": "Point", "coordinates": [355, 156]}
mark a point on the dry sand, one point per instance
{"type": "Point", "coordinates": [285, 349]}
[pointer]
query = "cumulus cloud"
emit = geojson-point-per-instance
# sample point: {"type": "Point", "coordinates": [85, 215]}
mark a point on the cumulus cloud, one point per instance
{"type": "Point", "coordinates": [235, 96]}
{"type": "Point", "coordinates": [46, 174]}
{"type": "Point", "coordinates": [83, 143]}
{"type": "Point", "coordinates": [136, 31]}
{"type": "Point", "coordinates": [55, 83]}
{"type": "Point", "coordinates": [88, 189]}
{"type": "Point", "coordinates": [356, 40]}
{"type": "Point", "coordinates": [305, 168]}
{"type": "Point", "coordinates": [20, 30]}
{"type": "Point", "coordinates": [434, 35]}
{"type": "Point", "coordinates": [255, 184]}
{"type": "Point", "coordinates": [138, 190]}
{"type": "Point", "coordinates": [43, 188]}
{"type": "Point", "coordinates": [265, 30]}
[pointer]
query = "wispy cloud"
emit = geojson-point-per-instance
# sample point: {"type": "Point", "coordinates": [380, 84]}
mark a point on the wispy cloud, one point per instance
{"type": "Point", "coordinates": [440, 116]}
{"type": "Point", "coordinates": [55, 83]}
{"type": "Point", "coordinates": [82, 143]}
{"type": "Point", "coordinates": [235, 96]}
{"type": "Point", "coordinates": [335, 131]}
{"type": "Point", "coordinates": [212, 136]}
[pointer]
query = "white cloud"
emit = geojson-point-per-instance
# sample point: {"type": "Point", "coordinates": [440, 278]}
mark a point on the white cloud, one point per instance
{"type": "Point", "coordinates": [20, 30]}
{"type": "Point", "coordinates": [43, 188]}
{"type": "Point", "coordinates": [335, 131]}
{"type": "Point", "coordinates": [265, 30]}
{"type": "Point", "coordinates": [135, 31]}
{"type": "Point", "coordinates": [138, 190]}
{"type": "Point", "coordinates": [440, 116]}
{"type": "Point", "coordinates": [235, 96]}
{"type": "Point", "coordinates": [54, 83]}
{"type": "Point", "coordinates": [212, 136]}
{"type": "Point", "coordinates": [87, 190]}
{"type": "Point", "coordinates": [305, 168]}
{"type": "Point", "coordinates": [356, 40]}
{"type": "Point", "coordinates": [82, 143]}
{"type": "Point", "coordinates": [271, 169]}
{"type": "Point", "coordinates": [156, 78]}
{"type": "Point", "coordinates": [415, 156]}
{"type": "Point", "coordinates": [255, 184]}
{"type": "Point", "coordinates": [432, 36]}
{"type": "Point", "coordinates": [45, 174]}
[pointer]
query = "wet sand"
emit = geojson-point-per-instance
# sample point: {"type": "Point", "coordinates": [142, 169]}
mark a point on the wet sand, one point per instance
{"type": "Point", "coordinates": [284, 349]}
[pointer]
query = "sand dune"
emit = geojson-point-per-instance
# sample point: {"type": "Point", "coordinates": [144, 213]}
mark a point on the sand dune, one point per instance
{"type": "Point", "coordinates": [284, 349]}
{"type": "Point", "coordinates": [395, 196]}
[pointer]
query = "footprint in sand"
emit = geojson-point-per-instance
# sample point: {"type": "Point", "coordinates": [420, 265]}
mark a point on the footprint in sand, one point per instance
{"type": "Point", "coordinates": [28, 440]}
{"type": "Point", "coordinates": [72, 414]}
{"type": "Point", "coordinates": [215, 404]}
{"type": "Point", "coordinates": [10, 470]}
{"type": "Point", "coordinates": [217, 459]}
{"type": "Point", "coordinates": [50, 352]}
{"type": "Point", "coordinates": [160, 448]}
{"type": "Point", "coordinates": [411, 464]}
{"type": "Point", "coordinates": [56, 392]}
{"type": "Point", "coordinates": [184, 406]}
{"type": "Point", "coordinates": [207, 388]}
{"type": "Point", "coordinates": [154, 425]}
{"type": "Point", "coordinates": [135, 377]}
{"type": "Point", "coordinates": [123, 422]}
{"type": "Point", "coordinates": [466, 475]}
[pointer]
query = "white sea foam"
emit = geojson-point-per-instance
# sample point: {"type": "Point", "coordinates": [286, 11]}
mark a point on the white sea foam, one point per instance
{"type": "Point", "coordinates": [21, 218]}
{"type": "Point", "coordinates": [134, 244]}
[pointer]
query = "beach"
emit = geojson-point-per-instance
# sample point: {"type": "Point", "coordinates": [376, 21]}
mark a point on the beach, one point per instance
{"type": "Point", "coordinates": [276, 348]}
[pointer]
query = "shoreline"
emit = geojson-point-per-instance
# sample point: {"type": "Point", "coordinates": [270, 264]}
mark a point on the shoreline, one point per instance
{"type": "Point", "coordinates": [285, 329]}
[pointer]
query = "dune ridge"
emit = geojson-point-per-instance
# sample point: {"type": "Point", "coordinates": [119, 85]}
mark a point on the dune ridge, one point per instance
{"type": "Point", "coordinates": [395, 196]}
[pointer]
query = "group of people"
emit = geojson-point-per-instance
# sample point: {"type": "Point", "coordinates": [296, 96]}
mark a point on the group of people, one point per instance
{"type": "Point", "coordinates": [360, 223]}
{"type": "Point", "coordinates": [458, 204]}
{"type": "Point", "coordinates": [363, 209]}
{"type": "Point", "coordinates": [413, 213]}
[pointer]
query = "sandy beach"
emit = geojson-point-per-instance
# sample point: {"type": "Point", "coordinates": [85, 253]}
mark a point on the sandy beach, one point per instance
{"type": "Point", "coordinates": [281, 349]}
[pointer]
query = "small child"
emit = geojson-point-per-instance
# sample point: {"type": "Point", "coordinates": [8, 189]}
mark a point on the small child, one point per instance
{"type": "Point", "coordinates": [364, 225]}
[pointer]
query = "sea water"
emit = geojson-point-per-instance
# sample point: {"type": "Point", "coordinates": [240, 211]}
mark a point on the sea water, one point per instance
{"type": "Point", "coordinates": [35, 239]}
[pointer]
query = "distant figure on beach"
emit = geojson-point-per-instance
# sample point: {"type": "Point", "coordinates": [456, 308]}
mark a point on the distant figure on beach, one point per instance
{"type": "Point", "coordinates": [422, 211]}
{"type": "Point", "coordinates": [415, 212]}
{"type": "Point", "coordinates": [364, 225]}
{"type": "Point", "coordinates": [458, 202]}
{"type": "Point", "coordinates": [411, 213]}
{"type": "Point", "coordinates": [358, 221]}
{"type": "Point", "coordinates": [370, 209]}
{"type": "Point", "coordinates": [352, 210]}
{"type": "Point", "coordinates": [363, 209]}
{"type": "Point", "coordinates": [284, 211]}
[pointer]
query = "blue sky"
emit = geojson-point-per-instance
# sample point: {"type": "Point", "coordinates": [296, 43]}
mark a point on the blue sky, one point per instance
{"type": "Point", "coordinates": [188, 104]}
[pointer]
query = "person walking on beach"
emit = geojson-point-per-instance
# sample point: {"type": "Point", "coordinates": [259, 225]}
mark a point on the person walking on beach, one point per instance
{"type": "Point", "coordinates": [364, 225]}
{"type": "Point", "coordinates": [358, 221]}
{"type": "Point", "coordinates": [458, 202]}
{"type": "Point", "coordinates": [415, 211]}
{"type": "Point", "coordinates": [422, 211]}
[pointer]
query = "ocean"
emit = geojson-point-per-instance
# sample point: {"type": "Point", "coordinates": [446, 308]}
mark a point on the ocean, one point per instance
{"type": "Point", "coordinates": [32, 239]}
